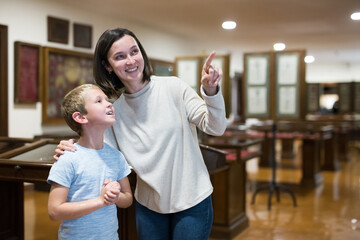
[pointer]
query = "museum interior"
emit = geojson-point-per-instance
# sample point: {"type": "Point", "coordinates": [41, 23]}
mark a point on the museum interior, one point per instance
{"type": "Point", "coordinates": [288, 163]}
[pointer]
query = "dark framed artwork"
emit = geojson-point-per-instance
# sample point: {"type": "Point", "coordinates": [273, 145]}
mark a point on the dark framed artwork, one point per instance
{"type": "Point", "coordinates": [27, 72]}
{"type": "Point", "coordinates": [82, 35]}
{"type": "Point", "coordinates": [345, 97]}
{"type": "Point", "coordinates": [58, 30]}
{"type": "Point", "coordinates": [356, 95]}
{"type": "Point", "coordinates": [64, 70]}
{"type": "Point", "coordinates": [313, 97]}
{"type": "Point", "coordinates": [162, 68]}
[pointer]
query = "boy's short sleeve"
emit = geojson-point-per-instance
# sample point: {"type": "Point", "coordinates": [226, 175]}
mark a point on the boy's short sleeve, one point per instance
{"type": "Point", "coordinates": [62, 172]}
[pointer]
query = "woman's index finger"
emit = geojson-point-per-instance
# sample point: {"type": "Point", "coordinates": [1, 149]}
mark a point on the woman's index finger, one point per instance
{"type": "Point", "coordinates": [209, 60]}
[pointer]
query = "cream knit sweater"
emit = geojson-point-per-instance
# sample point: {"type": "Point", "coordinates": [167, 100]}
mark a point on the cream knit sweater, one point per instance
{"type": "Point", "coordinates": [155, 129]}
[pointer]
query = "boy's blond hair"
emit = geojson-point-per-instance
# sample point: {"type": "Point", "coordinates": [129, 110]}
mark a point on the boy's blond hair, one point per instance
{"type": "Point", "coordinates": [74, 101]}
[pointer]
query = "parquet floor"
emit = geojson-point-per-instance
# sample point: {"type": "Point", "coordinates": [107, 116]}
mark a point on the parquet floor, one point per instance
{"type": "Point", "coordinates": [329, 212]}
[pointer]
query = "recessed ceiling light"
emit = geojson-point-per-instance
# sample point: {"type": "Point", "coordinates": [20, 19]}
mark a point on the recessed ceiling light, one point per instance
{"type": "Point", "coordinates": [279, 46]}
{"type": "Point", "coordinates": [309, 59]}
{"type": "Point", "coordinates": [355, 16]}
{"type": "Point", "coordinates": [229, 25]}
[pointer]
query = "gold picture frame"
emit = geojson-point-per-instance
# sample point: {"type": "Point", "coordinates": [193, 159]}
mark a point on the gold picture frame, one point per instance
{"type": "Point", "coordinates": [63, 71]}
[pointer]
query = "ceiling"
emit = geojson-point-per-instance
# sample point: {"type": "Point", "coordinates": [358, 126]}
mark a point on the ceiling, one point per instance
{"type": "Point", "coordinates": [322, 27]}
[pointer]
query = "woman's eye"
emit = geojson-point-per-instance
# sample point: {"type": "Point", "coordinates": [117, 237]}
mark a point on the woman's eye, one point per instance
{"type": "Point", "coordinates": [135, 51]}
{"type": "Point", "coordinates": [120, 57]}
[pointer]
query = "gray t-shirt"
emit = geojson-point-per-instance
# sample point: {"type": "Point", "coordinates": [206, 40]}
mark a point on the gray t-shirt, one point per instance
{"type": "Point", "coordinates": [84, 172]}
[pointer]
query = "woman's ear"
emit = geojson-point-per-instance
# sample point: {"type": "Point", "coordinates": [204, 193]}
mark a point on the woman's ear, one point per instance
{"type": "Point", "coordinates": [107, 66]}
{"type": "Point", "coordinates": [79, 118]}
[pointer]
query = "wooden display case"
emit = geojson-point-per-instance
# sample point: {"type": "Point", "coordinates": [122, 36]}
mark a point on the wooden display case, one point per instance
{"type": "Point", "coordinates": [31, 162]}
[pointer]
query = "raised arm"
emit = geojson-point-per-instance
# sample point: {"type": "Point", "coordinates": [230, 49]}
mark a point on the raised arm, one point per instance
{"type": "Point", "coordinates": [210, 76]}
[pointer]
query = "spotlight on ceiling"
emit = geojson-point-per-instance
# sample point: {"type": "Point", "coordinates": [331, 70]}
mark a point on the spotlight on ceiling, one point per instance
{"type": "Point", "coordinates": [229, 25]}
{"type": "Point", "coordinates": [309, 59]}
{"type": "Point", "coordinates": [279, 46]}
{"type": "Point", "coordinates": [355, 16]}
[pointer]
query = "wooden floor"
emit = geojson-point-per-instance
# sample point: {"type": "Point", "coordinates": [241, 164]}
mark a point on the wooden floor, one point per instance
{"type": "Point", "coordinates": [329, 212]}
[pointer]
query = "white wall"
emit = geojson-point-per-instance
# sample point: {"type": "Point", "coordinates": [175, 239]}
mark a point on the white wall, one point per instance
{"type": "Point", "coordinates": [341, 72]}
{"type": "Point", "coordinates": [27, 22]}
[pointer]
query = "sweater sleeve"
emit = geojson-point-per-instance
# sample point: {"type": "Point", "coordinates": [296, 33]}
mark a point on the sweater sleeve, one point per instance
{"type": "Point", "coordinates": [207, 113]}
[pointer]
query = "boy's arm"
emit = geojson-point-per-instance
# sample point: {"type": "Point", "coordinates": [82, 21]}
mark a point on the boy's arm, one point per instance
{"type": "Point", "coordinates": [59, 209]}
{"type": "Point", "coordinates": [125, 197]}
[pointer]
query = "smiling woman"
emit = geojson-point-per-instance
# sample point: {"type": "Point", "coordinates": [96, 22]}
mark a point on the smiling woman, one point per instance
{"type": "Point", "coordinates": [153, 112]}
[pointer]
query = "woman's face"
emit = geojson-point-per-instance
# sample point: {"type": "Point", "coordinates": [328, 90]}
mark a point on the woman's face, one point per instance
{"type": "Point", "coordinates": [126, 60]}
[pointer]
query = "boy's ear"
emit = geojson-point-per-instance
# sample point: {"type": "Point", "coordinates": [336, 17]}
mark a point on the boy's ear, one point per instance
{"type": "Point", "coordinates": [78, 117]}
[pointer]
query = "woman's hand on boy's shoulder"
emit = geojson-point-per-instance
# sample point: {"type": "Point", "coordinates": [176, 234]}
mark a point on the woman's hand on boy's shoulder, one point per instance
{"type": "Point", "coordinates": [64, 145]}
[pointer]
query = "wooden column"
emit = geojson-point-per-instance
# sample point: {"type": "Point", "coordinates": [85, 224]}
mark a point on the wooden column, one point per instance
{"type": "Point", "coordinates": [311, 175]}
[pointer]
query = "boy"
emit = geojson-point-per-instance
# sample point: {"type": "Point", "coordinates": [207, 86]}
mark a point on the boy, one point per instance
{"type": "Point", "coordinates": [86, 184]}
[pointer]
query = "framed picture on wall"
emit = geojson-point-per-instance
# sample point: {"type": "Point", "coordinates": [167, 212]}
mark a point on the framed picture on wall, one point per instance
{"type": "Point", "coordinates": [287, 101]}
{"type": "Point", "coordinates": [345, 97]}
{"type": "Point", "coordinates": [58, 30]}
{"type": "Point", "coordinates": [356, 97]}
{"type": "Point", "coordinates": [162, 68]}
{"type": "Point", "coordinates": [287, 73]}
{"type": "Point", "coordinates": [257, 85]}
{"type": "Point", "coordinates": [64, 70]}
{"type": "Point", "coordinates": [257, 69]}
{"type": "Point", "coordinates": [313, 97]}
{"type": "Point", "coordinates": [188, 70]}
{"type": "Point", "coordinates": [258, 104]}
{"type": "Point", "coordinates": [82, 35]}
{"type": "Point", "coordinates": [27, 72]}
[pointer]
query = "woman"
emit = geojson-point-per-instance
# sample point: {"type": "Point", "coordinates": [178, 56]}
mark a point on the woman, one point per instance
{"type": "Point", "coordinates": [156, 120]}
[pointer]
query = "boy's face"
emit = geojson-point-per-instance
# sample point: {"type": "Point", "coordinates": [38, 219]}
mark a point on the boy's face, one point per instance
{"type": "Point", "coordinates": [99, 110]}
